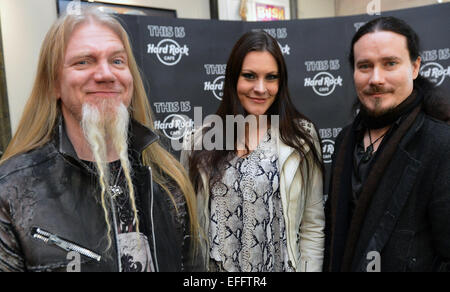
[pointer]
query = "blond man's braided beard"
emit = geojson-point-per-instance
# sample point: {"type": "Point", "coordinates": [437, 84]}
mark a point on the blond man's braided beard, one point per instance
{"type": "Point", "coordinates": [105, 123]}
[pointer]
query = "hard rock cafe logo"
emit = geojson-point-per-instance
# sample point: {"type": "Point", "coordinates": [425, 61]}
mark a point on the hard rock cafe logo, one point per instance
{"type": "Point", "coordinates": [174, 126]}
{"type": "Point", "coordinates": [216, 87]}
{"type": "Point", "coordinates": [285, 50]}
{"type": "Point", "coordinates": [323, 83]}
{"type": "Point", "coordinates": [168, 51]}
{"type": "Point", "coordinates": [435, 72]}
{"type": "Point", "coordinates": [328, 150]}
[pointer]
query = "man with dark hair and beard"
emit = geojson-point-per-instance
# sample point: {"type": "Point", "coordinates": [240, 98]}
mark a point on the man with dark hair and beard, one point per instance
{"type": "Point", "coordinates": [389, 202]}
{"type": "Point", "coordinates": [84, 186]}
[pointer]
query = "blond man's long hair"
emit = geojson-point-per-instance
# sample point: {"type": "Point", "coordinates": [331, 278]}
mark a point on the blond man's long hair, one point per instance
{"type": "Point", "coordinates": [41, 112]}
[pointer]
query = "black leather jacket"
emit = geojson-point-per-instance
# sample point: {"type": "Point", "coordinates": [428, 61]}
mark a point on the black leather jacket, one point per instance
{"type": "Point", "coordinates": [50, 188]}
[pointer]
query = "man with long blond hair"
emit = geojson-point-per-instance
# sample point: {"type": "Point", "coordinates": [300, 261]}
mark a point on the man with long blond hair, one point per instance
{"type": "Point", "coordinates": [84, 186]}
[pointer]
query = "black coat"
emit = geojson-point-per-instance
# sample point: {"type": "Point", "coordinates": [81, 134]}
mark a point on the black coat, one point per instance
{"type": "Point", "coordinates": [49, 188]}
{"type": "Point", "coordinates": [408, 219]}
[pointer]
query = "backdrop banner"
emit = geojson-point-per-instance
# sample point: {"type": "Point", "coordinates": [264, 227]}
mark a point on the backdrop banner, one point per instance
{"type": "Point", "coordinates": [184, 61]}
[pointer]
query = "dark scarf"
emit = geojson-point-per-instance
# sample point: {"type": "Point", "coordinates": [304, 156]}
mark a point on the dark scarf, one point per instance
{"type": "Point", "coordinates": [345, 235]}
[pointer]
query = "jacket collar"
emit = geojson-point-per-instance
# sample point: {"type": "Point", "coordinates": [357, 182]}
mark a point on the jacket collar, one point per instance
{"type": "Point", "coordinates": [140, 137]}
{"type": "Point", "coordinates": [285, 151]}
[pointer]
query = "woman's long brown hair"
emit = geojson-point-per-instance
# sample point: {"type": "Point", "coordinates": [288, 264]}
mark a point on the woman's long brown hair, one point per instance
{"type": "Point", "coordinates": [291, 132]}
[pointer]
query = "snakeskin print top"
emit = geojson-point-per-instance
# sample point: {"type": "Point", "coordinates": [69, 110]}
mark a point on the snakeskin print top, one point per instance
{"type": "Point", "coordinates": [247, 230]}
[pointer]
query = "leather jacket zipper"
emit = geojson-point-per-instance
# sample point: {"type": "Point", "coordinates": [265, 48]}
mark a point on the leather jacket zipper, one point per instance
{"type": "Point", "coordinates": [50, 238]}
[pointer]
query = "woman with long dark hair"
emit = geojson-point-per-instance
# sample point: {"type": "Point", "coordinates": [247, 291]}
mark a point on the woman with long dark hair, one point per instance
{"type": "Point", "coordinates": [261, 201]}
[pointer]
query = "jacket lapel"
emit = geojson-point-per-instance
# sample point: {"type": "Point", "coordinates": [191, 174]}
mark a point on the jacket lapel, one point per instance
{"type": "Point", "coordinates": [284, 152]}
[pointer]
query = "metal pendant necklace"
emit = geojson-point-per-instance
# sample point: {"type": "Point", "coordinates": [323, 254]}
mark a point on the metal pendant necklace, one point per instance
{"type": "Point", "coordinates": [370, 149]}
{"type": "Point", "coordinates": [115, 189]}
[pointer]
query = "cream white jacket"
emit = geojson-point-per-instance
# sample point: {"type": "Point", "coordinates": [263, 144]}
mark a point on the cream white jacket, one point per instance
{"type": "Point", "coordinates": [303, 207]}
